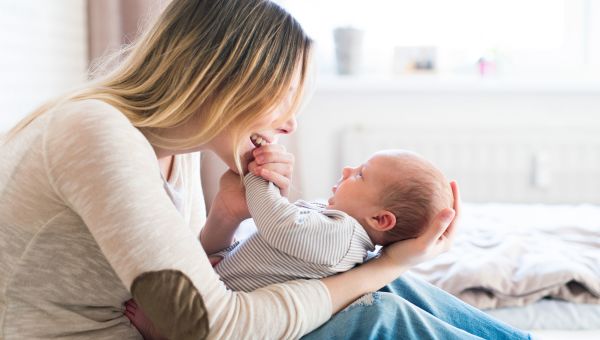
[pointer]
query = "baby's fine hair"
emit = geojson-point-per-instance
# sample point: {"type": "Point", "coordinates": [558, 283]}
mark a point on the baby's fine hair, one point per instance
{"type": "Point", "coordinates": [414, 201]}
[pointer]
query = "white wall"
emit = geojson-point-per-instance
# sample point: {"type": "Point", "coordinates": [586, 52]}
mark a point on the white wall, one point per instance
{"type": "Point", "coordinates": [43, 53]}
{"type": "Point", "coordinates": [476, 103]}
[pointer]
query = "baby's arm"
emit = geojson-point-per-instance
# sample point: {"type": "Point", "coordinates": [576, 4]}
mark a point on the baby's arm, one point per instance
{"type": "Point", "coordinates": [303, 233]}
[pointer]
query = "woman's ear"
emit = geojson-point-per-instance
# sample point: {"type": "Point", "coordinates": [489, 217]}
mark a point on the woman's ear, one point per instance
{"type": "Point", "coordinates": [382, 221]}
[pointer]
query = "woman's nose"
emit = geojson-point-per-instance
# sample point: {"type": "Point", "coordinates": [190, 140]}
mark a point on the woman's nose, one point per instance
{"type": "Point", "coordinates": [289, 126]}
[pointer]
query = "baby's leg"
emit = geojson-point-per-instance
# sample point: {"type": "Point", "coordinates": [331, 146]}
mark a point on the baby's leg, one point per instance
{"type": "Point", "coordinates": [141, 322]}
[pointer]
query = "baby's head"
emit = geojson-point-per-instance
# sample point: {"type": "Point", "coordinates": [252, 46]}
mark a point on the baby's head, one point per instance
{"type": "Point", "coordinates": [394, 195]}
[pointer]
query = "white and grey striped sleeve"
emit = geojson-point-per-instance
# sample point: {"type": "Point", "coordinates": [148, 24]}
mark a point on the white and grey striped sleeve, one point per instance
{"type": "Point", "coordinates": [303, 233]}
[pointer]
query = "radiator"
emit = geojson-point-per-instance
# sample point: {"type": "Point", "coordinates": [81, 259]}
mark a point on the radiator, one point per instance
{"type": "Point", "coordinates": [545, 165]}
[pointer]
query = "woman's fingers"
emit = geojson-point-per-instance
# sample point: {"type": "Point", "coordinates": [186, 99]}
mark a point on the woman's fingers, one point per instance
{"type": "Point", "coordinates": [439, 226]}
{"type": "Point", "coordinates": [450, 231]}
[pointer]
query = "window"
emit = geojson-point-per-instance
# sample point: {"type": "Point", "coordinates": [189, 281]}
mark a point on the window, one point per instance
{"type": "Point", "coordinates": [520, 37]}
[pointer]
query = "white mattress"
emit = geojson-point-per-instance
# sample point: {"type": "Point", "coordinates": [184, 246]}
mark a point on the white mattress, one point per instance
{"type": "Point", "coordinates": [569, 335]}
{"type": "Point", "coordinates": [551, 315]}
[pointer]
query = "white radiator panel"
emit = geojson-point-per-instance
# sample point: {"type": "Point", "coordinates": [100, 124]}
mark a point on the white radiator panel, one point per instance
{"type": "Point", "coordinates": [552, 165]}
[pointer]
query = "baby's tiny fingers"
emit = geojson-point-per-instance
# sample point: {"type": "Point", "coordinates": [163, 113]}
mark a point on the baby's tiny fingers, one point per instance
{"type": "Point", "coordinates": [268, 148]}
{"type": "Point", "coordinates": [130, 309]}
{"type": "Point", "coordinates": [252, 167]}
{"type": "Point", "coordinates": [282, 182]}
{"type": "Point", "coordinates": [129, 315]}
{"type": "Point", "coordinates": [280, 168]}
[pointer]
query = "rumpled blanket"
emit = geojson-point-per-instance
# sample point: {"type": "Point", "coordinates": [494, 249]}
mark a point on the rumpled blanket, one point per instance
{"type": "Point", "coordinates": [508, 255]}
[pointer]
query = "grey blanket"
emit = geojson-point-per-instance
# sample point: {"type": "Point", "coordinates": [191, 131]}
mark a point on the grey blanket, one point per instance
{"type": "Point", "coordinates": [514, 255]}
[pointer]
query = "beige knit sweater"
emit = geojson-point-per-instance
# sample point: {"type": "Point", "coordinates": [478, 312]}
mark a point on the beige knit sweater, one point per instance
{"type": "Point", "coordinates": [83, 214]}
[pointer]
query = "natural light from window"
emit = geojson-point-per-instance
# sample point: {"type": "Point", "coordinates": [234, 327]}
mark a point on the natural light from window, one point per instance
{"type": "Point", "coordinates": [496, 38]}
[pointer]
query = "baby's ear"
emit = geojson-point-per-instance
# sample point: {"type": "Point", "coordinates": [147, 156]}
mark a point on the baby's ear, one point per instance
{"type": "Point", "coordinates": [383, 220]}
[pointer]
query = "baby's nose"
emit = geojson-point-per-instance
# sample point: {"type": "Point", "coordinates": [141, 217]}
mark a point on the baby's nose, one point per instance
{"type": "Point", "coordinates": [346, 172]}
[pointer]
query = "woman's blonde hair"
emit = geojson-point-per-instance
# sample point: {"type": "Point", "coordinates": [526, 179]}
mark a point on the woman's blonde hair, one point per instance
{"type": "Point", "coordinates": [235, 59]}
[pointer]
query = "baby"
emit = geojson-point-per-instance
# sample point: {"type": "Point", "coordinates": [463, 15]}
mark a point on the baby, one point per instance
{"type": "Point", "coordinates": [391, 197]}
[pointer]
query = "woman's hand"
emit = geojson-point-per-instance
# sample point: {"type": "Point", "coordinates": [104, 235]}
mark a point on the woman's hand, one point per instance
{"type": "Point", "coordinates": [273, 163]}
{"type": "Point", "coordinates": [437, 238]}
{"type": "Point", "coordinates": [230, 200]}
{"type": "Point", "coordinates": [227, 211]}
{"type": "Point", "coordinates": [395, 259]}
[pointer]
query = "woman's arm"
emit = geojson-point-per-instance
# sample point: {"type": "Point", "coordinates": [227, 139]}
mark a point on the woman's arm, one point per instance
{"type": "Point", "coordinates": [103, 169]}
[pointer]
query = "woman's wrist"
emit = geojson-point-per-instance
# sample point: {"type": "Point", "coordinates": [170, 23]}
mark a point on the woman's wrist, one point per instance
{"type": "Point", "coordinates": [218, 232]}
{"type": "Point", "coordinates": [346, 287]}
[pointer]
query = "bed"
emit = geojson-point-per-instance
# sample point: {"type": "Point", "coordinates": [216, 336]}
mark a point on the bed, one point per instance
{"type": "Point", "coordinates": [494, 233]}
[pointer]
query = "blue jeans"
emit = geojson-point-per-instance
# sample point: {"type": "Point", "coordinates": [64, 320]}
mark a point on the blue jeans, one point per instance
{"type": "Point", "coordinates": [410, 308]}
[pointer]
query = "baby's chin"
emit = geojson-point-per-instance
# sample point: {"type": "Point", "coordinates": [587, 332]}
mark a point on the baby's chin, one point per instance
{"type": "Point", "coordinates": [330, 203]}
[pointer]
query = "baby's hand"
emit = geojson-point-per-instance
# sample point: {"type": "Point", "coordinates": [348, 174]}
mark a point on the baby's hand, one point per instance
{"type": "Point", "coordinates": [214, 260]}
{"type": "Point", "coordinates": [273, 163]}
{"type": "Point", "coordinates": [141, 322]}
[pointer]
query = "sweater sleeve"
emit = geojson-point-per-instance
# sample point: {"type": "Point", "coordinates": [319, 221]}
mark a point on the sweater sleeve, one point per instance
{"type": "Point", "coordinates": [106, 171]}
{"type": "Point", "coordinates": [303, 233]}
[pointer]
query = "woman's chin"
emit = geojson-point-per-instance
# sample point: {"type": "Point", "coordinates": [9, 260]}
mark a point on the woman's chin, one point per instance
{"type": "Point", "coordinates": [245, 159]}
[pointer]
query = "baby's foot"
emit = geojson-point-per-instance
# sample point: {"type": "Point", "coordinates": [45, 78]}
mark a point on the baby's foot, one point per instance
{"type": "Point", "coordinates": [141, 322]}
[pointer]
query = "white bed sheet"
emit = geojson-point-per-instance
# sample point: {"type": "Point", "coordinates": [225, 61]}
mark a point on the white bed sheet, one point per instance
{"type": "Point", "coordinates": [547, 319]}
{"type": "Point", "coordinates": [565, 335]}
{"type": "Point", "coordinates": [551, 315]}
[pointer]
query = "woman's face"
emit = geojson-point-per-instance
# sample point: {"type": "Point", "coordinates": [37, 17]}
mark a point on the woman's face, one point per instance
{"type": "Point", "coordinates": [268, 128]}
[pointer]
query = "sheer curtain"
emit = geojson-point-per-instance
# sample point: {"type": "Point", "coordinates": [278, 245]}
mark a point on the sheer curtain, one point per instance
{"type": "Point", "coordinates": [113, 23]}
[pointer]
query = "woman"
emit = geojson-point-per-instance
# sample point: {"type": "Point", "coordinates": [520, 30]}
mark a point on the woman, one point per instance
{"type": "Point", "coordinates": [90, 219]}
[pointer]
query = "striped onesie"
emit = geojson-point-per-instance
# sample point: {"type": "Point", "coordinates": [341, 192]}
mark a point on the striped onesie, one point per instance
{"type": "Point", "coordinates": [299, 240]}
